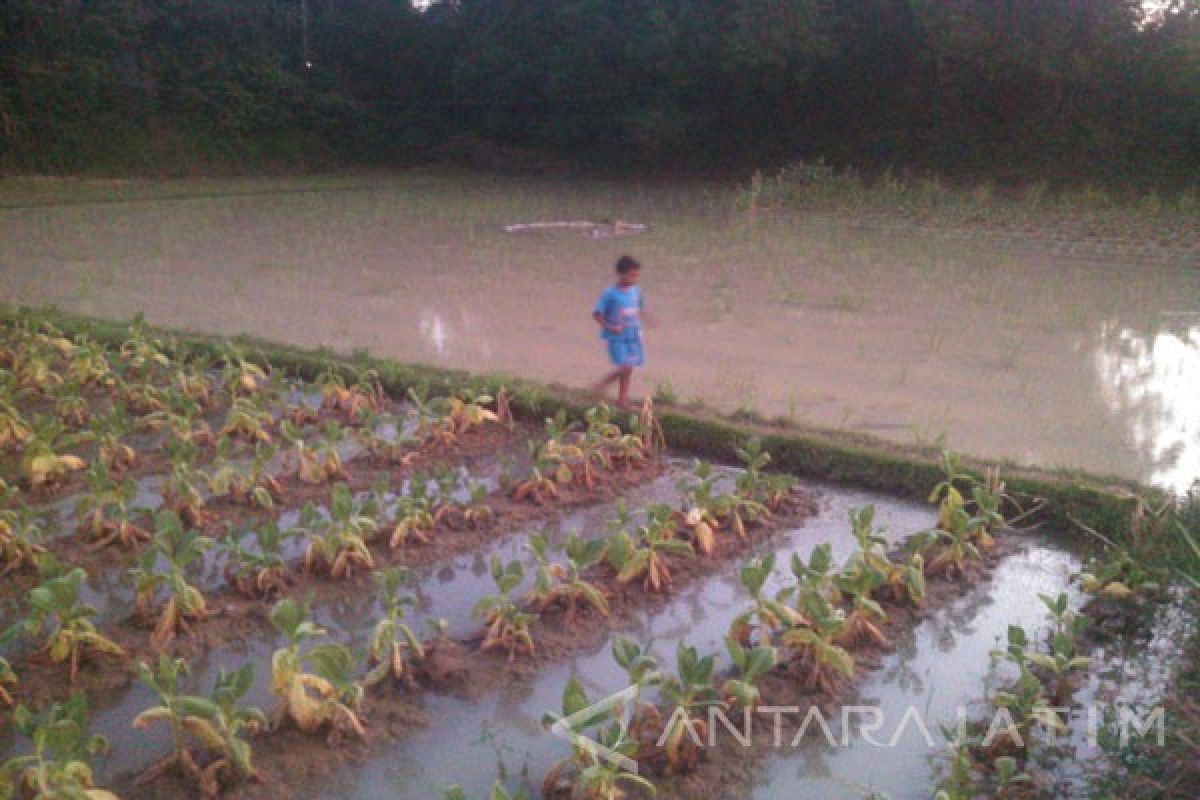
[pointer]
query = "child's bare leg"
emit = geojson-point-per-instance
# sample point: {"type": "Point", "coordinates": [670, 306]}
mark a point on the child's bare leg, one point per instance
{"type": "Point", "coordinates": [599, 387]}
{"type": "Point", "coordinates": [624, 374]}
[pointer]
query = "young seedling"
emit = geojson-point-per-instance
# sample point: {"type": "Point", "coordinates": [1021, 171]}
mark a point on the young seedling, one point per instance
{"type": "Point", "coordinates": [393, 643]}
{"type": "Point", "coordinates": [89, 365]}
{"type": "Point", "coordinates": [361, 397]}
{"type": "Point", "coordinates": [106, 512]}
{"type": "Point", "coordinates": [249, 484]}
{"type": "Point", "coordinates": [181, 489]}
{"type": "Point", "coordinates": [988, 498]}
{"type": "Point", "coordinates": [414, 514]}
{"type": "Point", "coordinates": [57, 611]}
{"type": "Point", "coordinates": [905, 581]}
{"type": "Point", "coordinates": [498, 793]}
{"type": "Point", "coordinates": [584, 774]}
{"type": "Point", "coordinates": [15, 430]}
{"type": "Point", "coordinates": [338, 544]}
{"type": "Point", "coordinates": [21, 536]}
{"type": "Point", "coordinates": [247, 422]}
{"type": "Point", "coordinates": [108, 431]}
{"type": "Point", "coordinates": [239, 375]}
{"type": "Point", "coordinates": [44, 461]}
{"type": "Point", "coordinates": [328, 696]}
{"type": "Point", "coordinates": [474, 514]}
{"type": "Point", "coordinates": [506, 626]}
{"type": "Point", "coordinates": [1120, 578]}
{"type": "Point", "coordinates": [957, 550]}
{"type": "Point", "coordinates": [1025, 699]}
{"type": "Point", "coordinates": [328, 454]}
{"type": "Point", "coordinates": [700, 513]}
{"type": "Point", "coordinates": [143, 354]}
{"type": "Point", "coordinates": [178, 548]}
{"type": "Point", "coordinates": [818, 577]}
{"type": "Point", "coordinates": [468, 411]}
{"type": "Point", "coordinates": [59, 764]}
{"type": "Point", "coordinates": [184, 426]}
{"type": "Point", "coordinates": [213, 723]}
{"type": "Point", "coordinates": [71, 406]}
{"type": "Point", "coordinates": [946, 492]}
{"type": "Point", "coordinates": [546, 471]}
{"type": "Point", "coordinates": [751, 664]}
{"type": "Point", "coordinates": [564, 584]}
{"type": "Point", "coordinates": [814, 650]}
{"type": "Point", "coordinates": [768, 616]}
{"type": "Point", "coordinates": [191, 381]}
{"type": "Point", "coordinates": [859, 581]}
{"type": "Point", "coordinates": [300, 459]}
{"type": "Point", "coordinates": [649, 556]}
{"type": "Point", "coordinates": [691, 692]}
{"type": "Point", "coordinates": [259, 572]}
{"type": "Point", "coordinates": [773, 492]}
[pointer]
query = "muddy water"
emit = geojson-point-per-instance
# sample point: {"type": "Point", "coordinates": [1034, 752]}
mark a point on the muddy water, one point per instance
{"type": "Point", "coordinates": [448, 591]}
{"type": "Point", "coordinates": [938, 668]}
{"type": "Point", "coordinates": [1046, 359]}
{"type": "Point", "coordinates": [471, 743]}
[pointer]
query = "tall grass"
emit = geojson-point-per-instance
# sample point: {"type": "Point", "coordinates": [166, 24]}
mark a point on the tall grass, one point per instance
{"type": "Point", "coordinates": [1083, 210]}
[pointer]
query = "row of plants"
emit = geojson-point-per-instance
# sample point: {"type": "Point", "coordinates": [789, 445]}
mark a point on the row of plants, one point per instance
{"type": "Point", "coordinates": [806, 635]}
{"type": "Point", "coordinates": [328, 700]}
{"type": "Point", "coordinates": [1122, 585]}
{"type": "Point", "coordinates": [58, 395]}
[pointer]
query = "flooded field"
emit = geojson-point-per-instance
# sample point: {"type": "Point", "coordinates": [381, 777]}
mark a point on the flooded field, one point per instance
{"type": "Point", "coordinates": [1079, 352]}
{"type": "Point", "coordinates": [406, 586]}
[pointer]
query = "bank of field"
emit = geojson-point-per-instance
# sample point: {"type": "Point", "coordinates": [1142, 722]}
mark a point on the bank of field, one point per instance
{"type": "Point", "coordinates": [261, 572]}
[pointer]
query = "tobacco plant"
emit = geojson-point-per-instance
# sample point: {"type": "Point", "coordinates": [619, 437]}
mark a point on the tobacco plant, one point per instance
{"type": "Point", "coordinates": [21, 536]}
{"type": "Point", "coordinates": [261, 571]}
{"type": "Point", "coordinates": [813, 648]}
{"type": "Point", "coordinates": [691, 693]}
{"type": "Point", "coordinates": [564, 583]}
{"type": "Point", "coordinates": [393, 643]}
{"type": "Point", "coordinates": [58, 768]}
{"type": "Point", "coordinates": [648, 555]}
{"type": "Point", "coordinates": [163, 567]}
{"type": "Point", "coordinates": [751, 663]}
{"type": "Point", "coordinates": [44, 460]}
{"type": "Point", "coordinates": [106, 512]}
{"type": "Point", "coordinates": [215, 724]}
{"type": "Point", "coordinates": [584, 774]}
{"type": "Point", "coordinates": [58, 613]}
{"type": "Point", "coordinates": [326, 697]}
{"type": "Point", "coordinates": [506, 625]}
{"type": "Point", "coordinates": [414, 514]}
{"type": "Point", "coordinates": [337, 544]}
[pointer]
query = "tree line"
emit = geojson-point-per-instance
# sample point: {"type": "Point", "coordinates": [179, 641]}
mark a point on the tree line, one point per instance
{"type": "Point", "coordinates": [1104, 90]}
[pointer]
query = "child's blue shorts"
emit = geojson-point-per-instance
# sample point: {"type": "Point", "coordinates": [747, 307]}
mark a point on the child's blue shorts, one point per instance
{"type": "Point", "coordinates": [626, 352]}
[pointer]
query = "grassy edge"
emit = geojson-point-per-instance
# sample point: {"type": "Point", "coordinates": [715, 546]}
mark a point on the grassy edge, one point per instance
{"type": "Point", "coordinates": [1103, 503]}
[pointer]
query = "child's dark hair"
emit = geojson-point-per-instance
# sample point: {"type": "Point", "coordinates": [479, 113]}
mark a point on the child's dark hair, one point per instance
{"type": "Point", "coordinates": [627, 264]}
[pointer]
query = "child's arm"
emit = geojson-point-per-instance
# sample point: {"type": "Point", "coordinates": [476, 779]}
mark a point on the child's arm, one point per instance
{"type": "Point", "coordinates": [596, 315]}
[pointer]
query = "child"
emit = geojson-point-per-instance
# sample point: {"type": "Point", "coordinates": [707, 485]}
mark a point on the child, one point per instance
{"type": "Point", "coordinates": [619, 314]}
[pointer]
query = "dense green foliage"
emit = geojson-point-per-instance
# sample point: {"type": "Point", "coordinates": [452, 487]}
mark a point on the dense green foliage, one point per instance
{"type": "Point", "coordinates": [1016, 90]}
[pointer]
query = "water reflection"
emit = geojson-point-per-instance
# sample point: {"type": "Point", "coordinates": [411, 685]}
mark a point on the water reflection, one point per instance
{"type": "Point", "coordinates": [1152, 381]}
{"type": "Point", "coordinates": [459, 336]}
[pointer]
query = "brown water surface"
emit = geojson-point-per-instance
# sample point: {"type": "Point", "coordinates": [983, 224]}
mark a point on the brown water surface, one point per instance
{"type": "Point", "coordinates": [1086, 358]}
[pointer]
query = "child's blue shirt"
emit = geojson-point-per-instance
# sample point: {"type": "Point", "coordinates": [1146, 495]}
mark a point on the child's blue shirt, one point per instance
{"type": "Point", "coordinates": [621, 307]}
